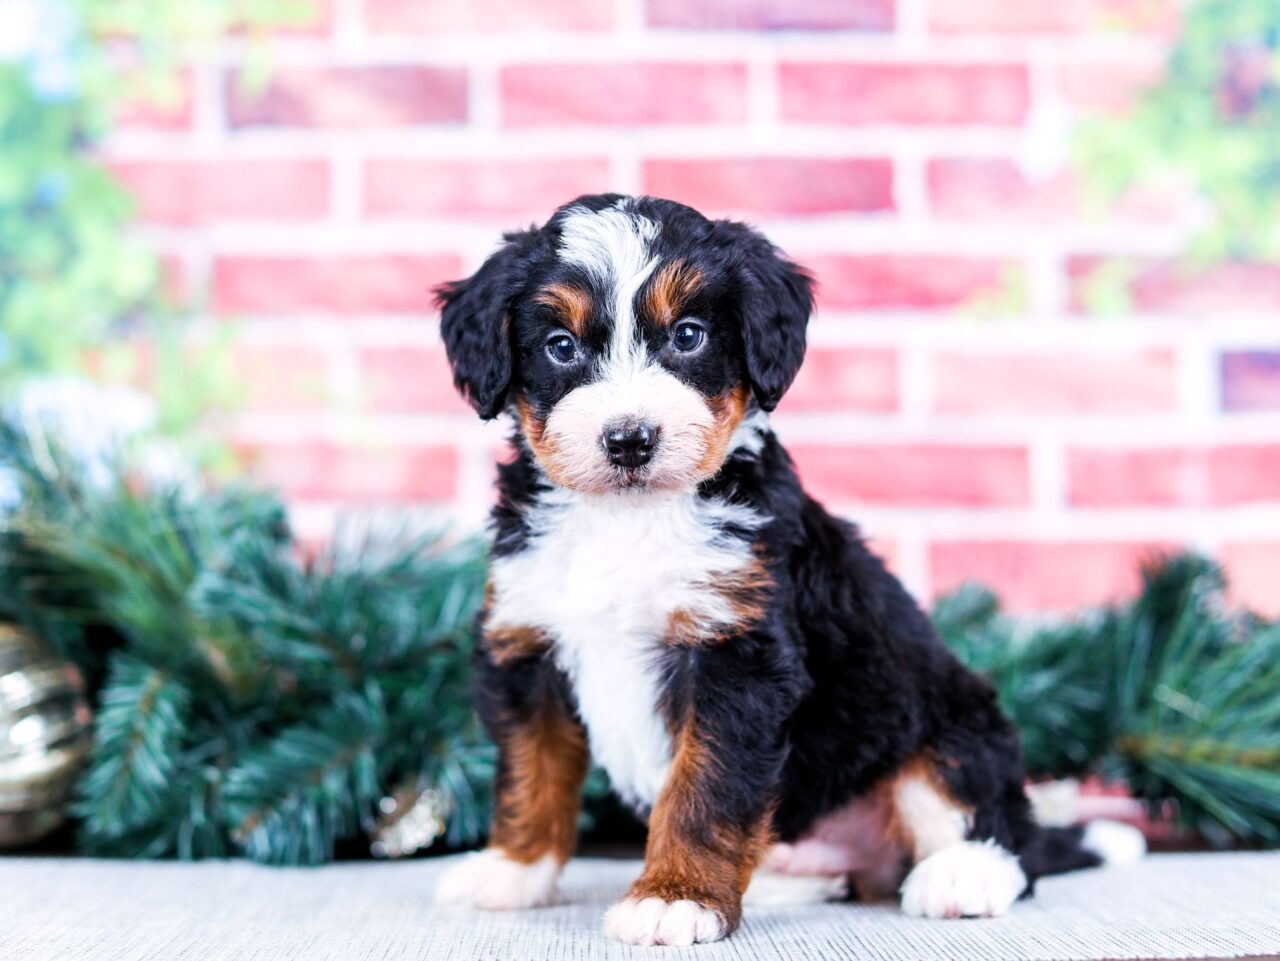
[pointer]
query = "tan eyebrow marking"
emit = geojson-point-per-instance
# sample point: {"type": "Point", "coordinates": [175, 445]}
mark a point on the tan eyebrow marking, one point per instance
{"type": "Point", "coordinates": [670, 291]}
{"type": "Point", "coordinates": [572, 304]}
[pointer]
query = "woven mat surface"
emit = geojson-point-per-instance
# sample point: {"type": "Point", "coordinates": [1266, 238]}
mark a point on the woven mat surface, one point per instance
{"type": "Point", "coordinates": [1168, 906]}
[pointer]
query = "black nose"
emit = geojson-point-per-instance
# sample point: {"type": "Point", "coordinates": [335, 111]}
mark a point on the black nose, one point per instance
{"type": "Point", "coordinates": [630, 446]}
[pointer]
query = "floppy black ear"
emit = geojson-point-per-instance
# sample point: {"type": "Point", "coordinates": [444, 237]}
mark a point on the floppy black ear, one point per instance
{"type": "Point", "coordinates": [776, 303]}
{"type": "Point", "coordinates": [474, 323]}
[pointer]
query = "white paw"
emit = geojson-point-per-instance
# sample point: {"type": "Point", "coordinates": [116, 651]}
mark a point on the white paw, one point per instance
{"type": "Point", "coordinates": [970, 880]}
{"type": "Point", "coordinates": [491, 880]}
{"type": "Point", "coordinates": [655, 921]}
{"type": "Point", "coordinates": [770, 887]}
{"type": "Point", "coordinates": [1114, 842]}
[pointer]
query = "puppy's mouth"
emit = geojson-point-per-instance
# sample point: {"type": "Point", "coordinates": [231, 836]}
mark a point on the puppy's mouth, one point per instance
{"type": "Point", "coordinates": [632, 478]}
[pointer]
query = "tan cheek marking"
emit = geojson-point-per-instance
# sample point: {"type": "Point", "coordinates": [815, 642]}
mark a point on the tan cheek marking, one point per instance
{"type": "Point", "coordinates": [744, 591]}
{"type": "Point", "coordinates": [544, 761]}
{"type": "Point", "coordinates": [671, 289]}
{"type": "Point", "coordinates": [544, 449]}
{"type": "Point", "coordinates": [727, 411]}
{"type": "Point", "coordinates": [572, 304]}
{"type": "Point", "coordinates": [925, 816]}
{"type": "Point", "coordinates": [689, 855]}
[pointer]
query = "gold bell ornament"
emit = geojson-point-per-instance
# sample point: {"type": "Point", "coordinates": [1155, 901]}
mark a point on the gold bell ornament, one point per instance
{"type": "Point", "coordinates": [46, 729]}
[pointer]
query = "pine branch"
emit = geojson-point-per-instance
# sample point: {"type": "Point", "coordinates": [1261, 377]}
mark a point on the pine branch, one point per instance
{"type": "Point", "coordinates": [1209, 735]}
{"type": "Point", "coordinates": [141, 722]}
{"type": "Point", "coordinates": [1172, 694]}
{"type": "Point", "coordinates": [291, 800]}
{"type": "Point", "coordinates": [1046, 676]}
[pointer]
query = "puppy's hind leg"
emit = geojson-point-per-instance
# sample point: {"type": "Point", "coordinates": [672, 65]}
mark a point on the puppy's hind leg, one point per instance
{"type": "Point", "coordinates": [952, 876]}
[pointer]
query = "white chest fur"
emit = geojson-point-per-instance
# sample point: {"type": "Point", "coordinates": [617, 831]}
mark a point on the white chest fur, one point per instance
{"type": "Point", "coordinates": [602, 577]}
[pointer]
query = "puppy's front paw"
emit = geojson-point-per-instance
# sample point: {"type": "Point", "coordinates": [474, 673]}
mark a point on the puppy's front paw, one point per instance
{"type": "Point", "coordinates": [654, 921]}
{"type": "Point", "coordinates": [491, 880]}
{"type": "Point", "coordinates": [970, 880]}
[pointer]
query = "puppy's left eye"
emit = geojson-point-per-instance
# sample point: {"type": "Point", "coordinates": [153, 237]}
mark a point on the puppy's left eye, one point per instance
{"type": "Point", "coordinates": [562, 348]}
{"type": "Point", "coordinates": [688, 337]}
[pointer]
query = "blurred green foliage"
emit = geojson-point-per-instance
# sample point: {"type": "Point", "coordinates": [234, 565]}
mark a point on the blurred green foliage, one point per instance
{"type": "Point", "coordinates": [68, 274]}
{"type": "Point", "coordinates": [1174, 694]}
{"type": "Point", "coordinates": [1213, 122]}
{"type": "Point", "coordinates": [76, 289]}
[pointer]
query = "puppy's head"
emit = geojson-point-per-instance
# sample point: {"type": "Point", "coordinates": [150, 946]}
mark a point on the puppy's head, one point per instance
{"type": "Point", "coordinates": [629, 336]}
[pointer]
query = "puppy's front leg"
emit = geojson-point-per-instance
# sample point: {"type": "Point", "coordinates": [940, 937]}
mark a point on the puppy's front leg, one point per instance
{"type": "Point", "coordinates": [712, 820]}
{"type": "Point", "coordinates": [542, 760]}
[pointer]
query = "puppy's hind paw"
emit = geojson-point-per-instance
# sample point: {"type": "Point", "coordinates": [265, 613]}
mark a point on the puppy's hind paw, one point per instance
{"type": "Point", "coordinates": [970, 880]}
{"type": "Point", "coordinates": [1114, 842]}
{"type": "Point", "coordinates": [491, 880]}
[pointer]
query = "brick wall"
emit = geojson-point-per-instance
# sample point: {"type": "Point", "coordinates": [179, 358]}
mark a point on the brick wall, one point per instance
{"type": "Point", "coordinates": [967, 398]}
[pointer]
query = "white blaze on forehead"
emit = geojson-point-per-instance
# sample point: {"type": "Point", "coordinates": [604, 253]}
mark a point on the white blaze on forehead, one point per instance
{"type": "Point", "coordinates": [613, 246]}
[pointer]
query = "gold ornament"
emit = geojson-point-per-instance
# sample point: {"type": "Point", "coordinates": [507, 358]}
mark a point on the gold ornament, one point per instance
{"type": "Point", "coordinates": [409, 820]}
{"type": "Point", "coordinates": [46, 730]}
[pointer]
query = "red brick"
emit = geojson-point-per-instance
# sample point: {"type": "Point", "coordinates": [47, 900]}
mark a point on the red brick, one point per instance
{"type": "Point", "coordinates": [344, 285]}
{"type": "Point", "coordinates": [1155, 286]}
{"type": "Point", "coordinates": [1108, 88]}
{"type": "Point", "coordinates": [462, 188]}
{"type": "Point", "coordinates": [869, 15]}
{"type": "Point", "coordinates": [282, 378]}
{"type": "Point", "coordinates": [982, 189]}
{"type": "Point", "coordinates": [350, 97]}
{"type": "Point", "coordinates": [169, 109]}
{"type": "Point", "coordinates": [626, 94]}
{"type": "Point", "coordinates": [1145, 477]}
{"type": "Point", "coordinates": [1076, 16]}
{"type": "Point", "coordinates": [1251, 380]}
{"type": "Point", "coordinates": [182, 192]}
{"type": "Point", "coordinates": [1043, 576]}
{"type": "Point", "coordinates": [915, 475]}
{"type": "Point", "coordinates": [1060, 382]}
{"type": "Point", "coordinates": [319, 470]}
{"type": "Point", "coordinates": [295, 18]}
{"type": "Point", "coordinates": [876, 93]}
{"type": "Point", "coordinates": [985, 190]}
{"type": "Point", "coordinates": [1244, 474]}
{"type": "Point", "coordinates": [846, 379]}
{"type": "Point", "coordinates": [1220, 476]}
{"type": "Point", "coordinates": [774, 185]}
{"type": "Point", "coordinates": [265, 377]}
{"type": "Point", "coordinates": [1253, 570]}
{"type": "Point", "coordinates": [486, 16]}
{"type": "Point", "coordinates": [404, 379]}
{"type": "Point", "coordinates": [906, 282]}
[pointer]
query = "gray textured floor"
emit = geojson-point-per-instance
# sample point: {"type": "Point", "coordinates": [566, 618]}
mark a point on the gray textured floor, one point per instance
{"type": "Point", "coordinates": [1169, 906]}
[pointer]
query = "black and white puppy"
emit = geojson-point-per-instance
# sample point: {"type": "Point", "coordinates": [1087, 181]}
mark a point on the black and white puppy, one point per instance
{"type": "Point", "coordinates": [666, 599]}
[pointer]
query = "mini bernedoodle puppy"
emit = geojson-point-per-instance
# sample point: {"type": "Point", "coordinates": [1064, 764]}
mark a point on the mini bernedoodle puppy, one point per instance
{"type": "Point", "coordinates": [665, 599]}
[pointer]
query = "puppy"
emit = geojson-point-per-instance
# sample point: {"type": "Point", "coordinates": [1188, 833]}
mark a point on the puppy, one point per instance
{"type": "Point", "coordinates": [665, 599]}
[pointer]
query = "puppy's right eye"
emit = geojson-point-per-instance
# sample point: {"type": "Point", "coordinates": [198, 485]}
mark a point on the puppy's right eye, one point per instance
{"type": "Point", "coordinates": [562, 348]}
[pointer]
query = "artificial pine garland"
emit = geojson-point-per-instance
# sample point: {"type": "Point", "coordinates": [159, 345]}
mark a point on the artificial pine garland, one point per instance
{"type": "Point", "coordinates": [1172, 694]}
{"type": "Point", "coordinates": [249, 701]}
{"type": "Point", "coordinates": [254, 702]}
